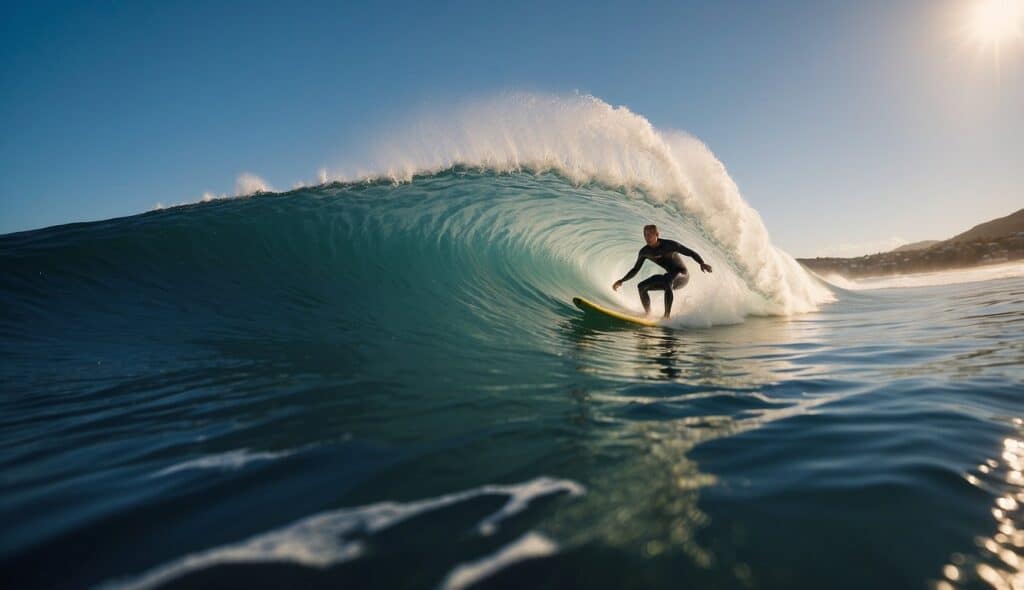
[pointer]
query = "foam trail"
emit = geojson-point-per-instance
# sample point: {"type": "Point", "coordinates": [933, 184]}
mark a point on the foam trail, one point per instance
{"type": "Point", "coordinates": [529, 546]}
{"type": "Point", "coordinates": [588, 140]}
{"type": "Point", "coordinates": [325, 539]}
{"type": "Point", "coordinates": [228, 460]}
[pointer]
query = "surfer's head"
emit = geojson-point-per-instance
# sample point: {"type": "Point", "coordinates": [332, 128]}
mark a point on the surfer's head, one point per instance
{"type": "Point", "coordinates": [651, 235]}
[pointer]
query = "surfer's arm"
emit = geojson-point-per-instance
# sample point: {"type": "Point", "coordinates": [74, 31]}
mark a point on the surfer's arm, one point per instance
{"type": "Point", "coordinates": [632, 272]}
{"type": "Point", "coordinates": [636, 268]}
{"type": "Point", "coordinates": [688, 252]}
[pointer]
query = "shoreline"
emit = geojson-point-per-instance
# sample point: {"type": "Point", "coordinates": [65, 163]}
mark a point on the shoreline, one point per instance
{"type": "Point", "coordinates": [942, 257]}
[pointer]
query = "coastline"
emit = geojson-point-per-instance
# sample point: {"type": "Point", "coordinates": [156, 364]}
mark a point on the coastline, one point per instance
{"type": "Point", "coordinates": [944, 256]}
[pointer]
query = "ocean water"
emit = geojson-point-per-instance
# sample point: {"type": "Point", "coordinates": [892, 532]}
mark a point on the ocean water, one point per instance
{"type": "Point", "coordinates": [381, 384]}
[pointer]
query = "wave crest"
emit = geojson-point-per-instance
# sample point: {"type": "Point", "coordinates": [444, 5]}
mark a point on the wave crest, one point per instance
{"type": "Point", "coordinates": [589, 141]}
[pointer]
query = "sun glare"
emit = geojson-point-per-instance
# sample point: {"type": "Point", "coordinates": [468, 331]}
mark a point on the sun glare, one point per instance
{"type": "Point", "coordinates": [991, 24]}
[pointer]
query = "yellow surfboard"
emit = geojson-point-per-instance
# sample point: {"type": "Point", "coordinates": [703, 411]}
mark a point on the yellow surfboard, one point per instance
{"type": "Point", "coordinates": [590, 307]}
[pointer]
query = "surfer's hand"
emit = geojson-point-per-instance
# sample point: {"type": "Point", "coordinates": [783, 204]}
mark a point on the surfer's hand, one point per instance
{"type": "Point", "coordinates": [616, 285]}
{"type": "Point", "coordinates": [705, 267]}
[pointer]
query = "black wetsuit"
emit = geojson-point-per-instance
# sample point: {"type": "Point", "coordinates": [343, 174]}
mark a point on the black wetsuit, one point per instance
{"type": "Point", "coordinates": [666, 255]}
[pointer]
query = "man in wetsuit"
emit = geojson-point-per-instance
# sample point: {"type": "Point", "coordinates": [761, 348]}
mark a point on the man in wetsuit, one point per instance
{"type": "Point", "coordinates": [666, 254]}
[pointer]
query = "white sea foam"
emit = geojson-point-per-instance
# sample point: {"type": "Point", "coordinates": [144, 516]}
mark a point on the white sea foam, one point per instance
{"type": "Point", "coordinates": [250, 184]}
{"type": "Point", "coordinates": [325, 539]}
{"type": "Point", "coordinates": [529, 546]}
{"type": "Point", "coordinates": [229, 460]}
{"type": "Point", "coordinates": [588, 140]}
{"type": "Point", "coordinates": [246, 185]}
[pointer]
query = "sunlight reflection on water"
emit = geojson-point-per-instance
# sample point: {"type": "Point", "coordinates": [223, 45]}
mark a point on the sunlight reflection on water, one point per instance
{"type": "Point", "coordinates": [999, 558]}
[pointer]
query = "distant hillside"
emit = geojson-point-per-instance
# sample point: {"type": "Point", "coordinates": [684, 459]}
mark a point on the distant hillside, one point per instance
{"type": "Point", "coordinates": [996, 228]}
{"type": "Point", "coordinates": [999, 240]}
{"type": "Point", "coordinates": [916, 246]}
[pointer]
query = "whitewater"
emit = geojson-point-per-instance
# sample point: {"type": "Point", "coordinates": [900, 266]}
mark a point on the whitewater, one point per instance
{"type": "Point", "coordinates": [379, 379]}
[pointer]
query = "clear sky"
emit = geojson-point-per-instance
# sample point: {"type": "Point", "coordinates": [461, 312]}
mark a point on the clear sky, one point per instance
{"type": "Point", "coordinates": [845, 123]}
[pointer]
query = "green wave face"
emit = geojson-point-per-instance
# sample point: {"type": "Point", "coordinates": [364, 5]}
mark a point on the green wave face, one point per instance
{"type": "Point", "coordinates": [460, 263]}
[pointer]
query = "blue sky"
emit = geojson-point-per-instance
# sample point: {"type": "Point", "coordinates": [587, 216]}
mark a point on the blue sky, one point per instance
{"type": "Point", "coordinates": [846, 124]}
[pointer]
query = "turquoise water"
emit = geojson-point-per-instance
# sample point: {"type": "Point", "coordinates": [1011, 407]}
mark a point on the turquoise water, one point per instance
{"type": "Point", "coordinates": [379, 385]}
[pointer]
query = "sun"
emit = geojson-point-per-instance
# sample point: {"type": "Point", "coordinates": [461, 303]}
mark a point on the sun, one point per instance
{"type": "Point", "coordinates": [992, 24]}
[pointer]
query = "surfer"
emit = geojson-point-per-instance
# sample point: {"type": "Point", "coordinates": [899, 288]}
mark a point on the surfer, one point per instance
{"type": "Point", "coordinates": [666, 254]}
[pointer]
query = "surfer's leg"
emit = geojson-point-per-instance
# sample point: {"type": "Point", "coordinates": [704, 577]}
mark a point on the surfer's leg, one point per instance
{"type": "Point", "coordinates": [648, 284]}
{"type": "Point", "coordinates": [677, 282]}
{"type": "Point", "coordinates": [645, 299]}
